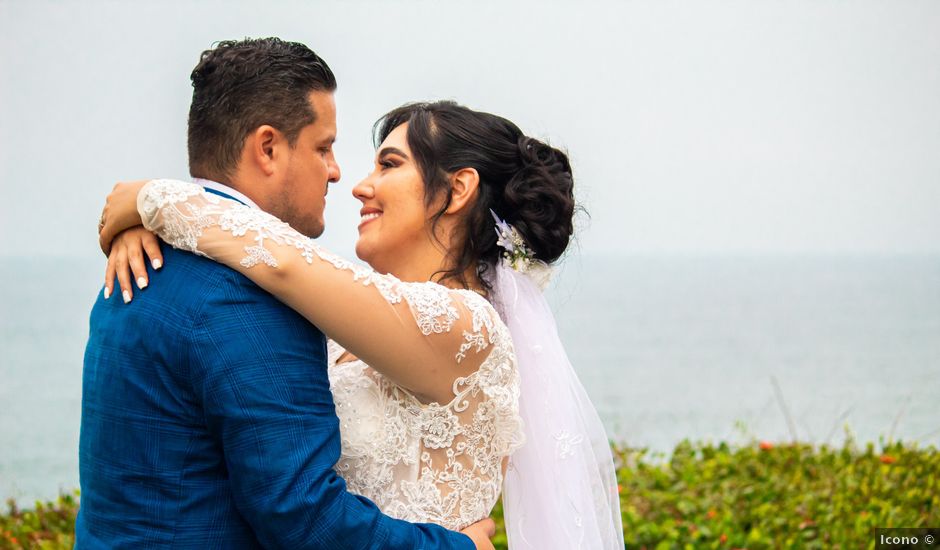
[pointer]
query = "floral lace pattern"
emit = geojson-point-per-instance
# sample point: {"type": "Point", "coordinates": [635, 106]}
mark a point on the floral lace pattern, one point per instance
{"type": "Point", "coordinates": [427, 463]}
{"type": "Point", "coordinates": [438, 463]}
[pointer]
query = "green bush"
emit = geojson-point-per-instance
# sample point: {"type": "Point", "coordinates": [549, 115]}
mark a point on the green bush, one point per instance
{"type": "Point", "coordinates": [775, 496]}
{"type": "Point", "coordinates": [50, 525]}
{"type": "Point", "coordinates": [702, 496]}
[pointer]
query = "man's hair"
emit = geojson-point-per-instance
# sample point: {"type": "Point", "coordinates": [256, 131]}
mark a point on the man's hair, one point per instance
{"type": "Point", "coordinates": [241, 85]}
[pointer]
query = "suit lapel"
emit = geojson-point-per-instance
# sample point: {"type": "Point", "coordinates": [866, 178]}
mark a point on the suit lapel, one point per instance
{"type": "Point", "coordinates": [221, 194]}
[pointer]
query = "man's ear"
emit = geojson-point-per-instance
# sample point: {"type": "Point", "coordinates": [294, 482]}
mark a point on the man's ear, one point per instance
{"type": "Point", "coordinates": [464, 184]}
{"type": "Point", "coordinates": [265, 148]}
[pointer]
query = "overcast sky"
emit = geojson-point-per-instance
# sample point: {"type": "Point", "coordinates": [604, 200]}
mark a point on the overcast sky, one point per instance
{"type": "Point", "coordinates": [694, 127]}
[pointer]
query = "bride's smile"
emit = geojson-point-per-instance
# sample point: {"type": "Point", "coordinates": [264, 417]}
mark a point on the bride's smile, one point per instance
{"type": "Point", "coordinates": [367, 215]}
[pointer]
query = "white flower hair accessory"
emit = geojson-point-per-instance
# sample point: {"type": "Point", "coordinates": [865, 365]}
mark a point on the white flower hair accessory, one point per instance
{"type": "Point", "coordinates": [520, 257]}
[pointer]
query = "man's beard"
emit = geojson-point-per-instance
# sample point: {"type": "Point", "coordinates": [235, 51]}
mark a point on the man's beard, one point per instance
{"type": "Point", "coordinates": [304, 222]}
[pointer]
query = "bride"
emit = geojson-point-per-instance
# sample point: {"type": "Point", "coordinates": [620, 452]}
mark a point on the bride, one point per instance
{"type": "Point", "coordinates": [448, 375]}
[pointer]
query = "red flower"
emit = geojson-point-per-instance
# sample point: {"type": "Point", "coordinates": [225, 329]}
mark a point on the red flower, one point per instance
{"type": "Point", "coordinates": [766, 445]}
{"type": "Point", "coordinates": [723, 538]}
{"type": "Point", "coordinates": [619, 488]}
{"type": "Point", "coordinates": [888, 459]}
{"type": "Point", "coordinates": [712, 514]}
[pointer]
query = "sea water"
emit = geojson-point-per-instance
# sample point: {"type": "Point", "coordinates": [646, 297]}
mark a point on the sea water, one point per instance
{"type": "Point", "coordinates": [706, 348]}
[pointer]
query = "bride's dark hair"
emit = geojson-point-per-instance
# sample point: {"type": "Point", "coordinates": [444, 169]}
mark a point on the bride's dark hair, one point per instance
{"type": "Point", "coordinates": [524, 181]}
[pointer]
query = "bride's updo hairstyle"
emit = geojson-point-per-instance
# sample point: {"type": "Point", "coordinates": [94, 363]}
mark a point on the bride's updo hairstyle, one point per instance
{"type": "Point", "coordinates": [524, 181]}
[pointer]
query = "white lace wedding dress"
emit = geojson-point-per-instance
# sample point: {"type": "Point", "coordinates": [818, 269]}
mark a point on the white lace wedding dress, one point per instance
{"type": "Point", "coordinates": [442, 461]}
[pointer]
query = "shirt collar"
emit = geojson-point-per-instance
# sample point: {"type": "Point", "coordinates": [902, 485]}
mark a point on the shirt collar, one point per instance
{"type": "Point", "coordinates": [222, 188]}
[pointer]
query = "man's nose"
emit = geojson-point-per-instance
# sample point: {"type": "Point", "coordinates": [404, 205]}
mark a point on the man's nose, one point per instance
{"type": "Point", "coordinates": [334, 173]}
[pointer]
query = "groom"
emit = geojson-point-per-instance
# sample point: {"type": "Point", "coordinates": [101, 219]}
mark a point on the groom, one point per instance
{"type": "Point", "coordinates": [207, 418]}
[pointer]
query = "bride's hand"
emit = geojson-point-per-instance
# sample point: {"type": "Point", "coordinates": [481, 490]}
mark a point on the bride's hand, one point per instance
{"type": "Point", "coordinates": [127, 257]}
{"type": "Point", "coordinates": [119, 213]}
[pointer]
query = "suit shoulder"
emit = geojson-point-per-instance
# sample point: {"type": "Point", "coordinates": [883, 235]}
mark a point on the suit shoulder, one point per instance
{"type": "Point", "coordinates": [209, 287]}
{"type": "Point", "coordinates": [201, 273]}
{"type": "Point", "coordinates": [189, 286]}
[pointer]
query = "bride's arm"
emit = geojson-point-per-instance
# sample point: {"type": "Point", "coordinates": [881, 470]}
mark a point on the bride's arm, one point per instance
{"type": "Point", "coordinates": [421, 335]}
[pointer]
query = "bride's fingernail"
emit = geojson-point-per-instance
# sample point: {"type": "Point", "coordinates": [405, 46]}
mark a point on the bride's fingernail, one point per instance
{"type": "Point", "coordinates": [156, 263]}
{"type": "Point", "coordinates": [127, 296]}
{"type": "Point", "coordinates": [141, 282]}
{"type": "Point", "coordinates": [107, 293]}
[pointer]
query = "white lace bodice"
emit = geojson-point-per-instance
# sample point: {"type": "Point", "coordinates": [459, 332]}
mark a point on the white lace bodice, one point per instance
{"type": "Point", "coordinates": [439, 462]}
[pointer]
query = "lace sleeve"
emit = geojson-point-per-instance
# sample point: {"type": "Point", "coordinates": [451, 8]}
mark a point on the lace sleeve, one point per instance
{"type": "Point", "coordinates": [407, 331]}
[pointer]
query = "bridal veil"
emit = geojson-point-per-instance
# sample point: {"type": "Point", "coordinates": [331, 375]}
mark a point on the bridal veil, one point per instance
{"type": "Point", "coordinates": [560, 489]}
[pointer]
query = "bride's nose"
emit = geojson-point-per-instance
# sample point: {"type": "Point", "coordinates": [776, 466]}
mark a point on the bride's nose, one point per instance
{"type": "Point", "coordinates": [364, 189]}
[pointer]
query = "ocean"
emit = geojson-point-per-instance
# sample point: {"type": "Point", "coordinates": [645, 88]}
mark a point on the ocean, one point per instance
{"type": "Point", "coordinates": [706, 348]}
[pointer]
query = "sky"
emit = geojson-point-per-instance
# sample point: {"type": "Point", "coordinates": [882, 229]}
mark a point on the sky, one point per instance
{"type": "Point", "coordinates": [708, 127]}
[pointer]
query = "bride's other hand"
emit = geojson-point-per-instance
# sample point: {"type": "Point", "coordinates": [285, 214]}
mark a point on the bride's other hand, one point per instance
{"type": "Point", "coordinates": [119, 213]}
{"type": "Point", "coordinates": [127, 258]}
{"type": "Point", "coordinates": [481, 532]}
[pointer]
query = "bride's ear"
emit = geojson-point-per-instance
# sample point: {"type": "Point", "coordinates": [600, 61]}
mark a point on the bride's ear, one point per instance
{"type": "Point", "coordinates": [464, 184]}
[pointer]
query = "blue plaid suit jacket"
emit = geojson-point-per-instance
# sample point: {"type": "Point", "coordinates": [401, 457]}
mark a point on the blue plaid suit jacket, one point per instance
{"type": "Point", "coordinates": [207, 422]}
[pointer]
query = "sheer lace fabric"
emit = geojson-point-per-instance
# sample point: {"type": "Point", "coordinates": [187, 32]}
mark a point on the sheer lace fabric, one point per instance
{"type": "Point", "coordinates": [422, 462]}
{"type": "Point", "coordinates": [425, 463]}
